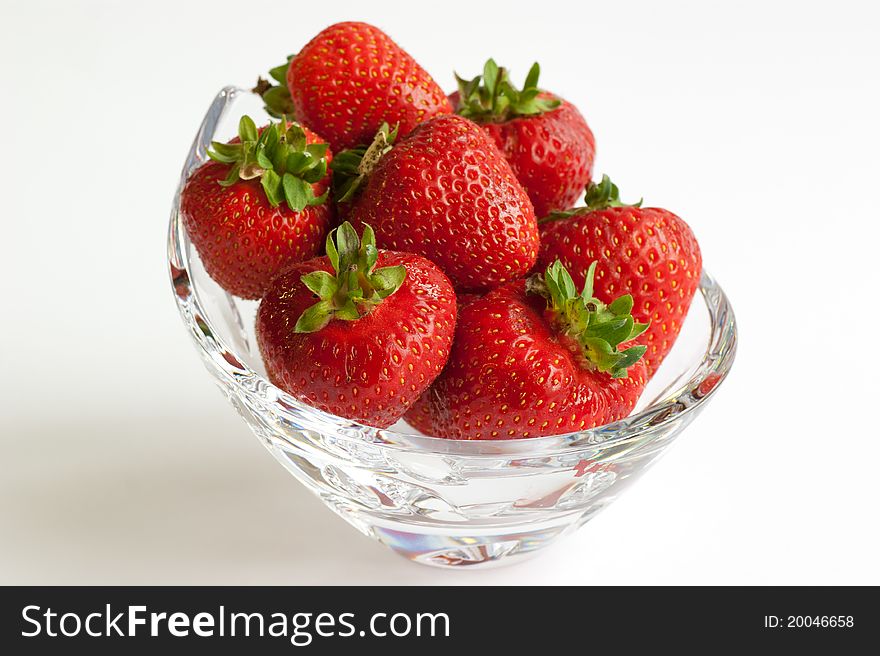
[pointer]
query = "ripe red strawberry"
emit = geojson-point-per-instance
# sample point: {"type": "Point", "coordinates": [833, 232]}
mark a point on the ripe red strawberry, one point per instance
{"type": "Point", "coordinates": [259, 205]}
{"type": "Point", "coordinates": [644, 251]}
{"type": "Point", "coordinates": [358, 341]}
{"type": "Point", "coordinates": [535, 358]}
{"type": "Point", "coordinates": [445, 192]}
{"type": "Point", "coordinates": [350, 79]}
{"type": "Point", "coordinates": [546, 140]}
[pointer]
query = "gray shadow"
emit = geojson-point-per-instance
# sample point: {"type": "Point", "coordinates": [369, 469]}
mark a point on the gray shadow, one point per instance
{"type": "Point", "coordinates": [166, 501]}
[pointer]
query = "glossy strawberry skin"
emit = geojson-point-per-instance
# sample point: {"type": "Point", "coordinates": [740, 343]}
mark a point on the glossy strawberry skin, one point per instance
{"type": "Point", "coordinates": [446, 193]}
{"type": "Point", "coordinates": [648, 252]}
{"type": "Point", "coordinates": [242, 240]}
{"type": "Point", "coordinates": [352, 77]}
{"type": "Point", "coordinates": [510, 376]}
{"type": "Point", "coordinates": [369, 370]}
{"type": "Point", "coordinates": [552, 155]}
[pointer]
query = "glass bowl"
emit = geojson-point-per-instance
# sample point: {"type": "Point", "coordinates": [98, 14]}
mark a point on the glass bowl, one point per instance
{"type": "Point", "coordinates": [449, 503]}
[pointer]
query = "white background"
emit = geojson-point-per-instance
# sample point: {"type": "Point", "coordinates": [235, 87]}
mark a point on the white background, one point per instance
{"type": "Point", "coordinates": [758, 123]}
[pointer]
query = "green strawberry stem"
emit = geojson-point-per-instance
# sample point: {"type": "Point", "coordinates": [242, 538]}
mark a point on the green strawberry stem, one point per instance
{"type": "Point", "coordinates": [286, 165]}
{"type": "Point", "coordinates": [599, 196]}
{"type": "Point", "coordinates": [357, 286]}
{"type": "Point", "coordinates": [352, 167]}
{"type": "Point", "coordinates": [491, 98]}
{"type": "Point", "coordinates": [276, 96]}
{"type": "Point", "coordinates": [597, 328]}
{"type": "Point", "coordinates": [604, 194]}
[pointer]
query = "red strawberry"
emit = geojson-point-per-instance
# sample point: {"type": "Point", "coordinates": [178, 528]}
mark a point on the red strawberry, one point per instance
{"type": "Point", "coordinates": [418, 416]}
{"type": "Point", "coordinates": [546, 140]}
{"type": "Point", "coordinates": [445, 192]}
{"type": "Point", "coordinates": [259, 206]}
{"type": "Point", "coordinates": [535, 358]}
{"type": "Point", "coordinates": [358, 341]}
{"type": "Point", "coordinates": [350, 79]}
{"type": "Point", "coordinates": [644, 251]}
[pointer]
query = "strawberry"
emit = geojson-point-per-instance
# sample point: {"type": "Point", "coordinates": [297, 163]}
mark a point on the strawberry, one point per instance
{"type": "Point", "coordinates": [535, 358]}
{"type": "Point", "coordinates": [546, 140]}
{"type": "Point", "coordinates": [259, 205]}
{"type": "Point", "coordinates": [644, 251]}
{"type": "Point", "coordinates": [360, 332]}
{"type": "Point", "coordinates": [350, 79]}
{"type": "Point", "coordinates": [445, 192]}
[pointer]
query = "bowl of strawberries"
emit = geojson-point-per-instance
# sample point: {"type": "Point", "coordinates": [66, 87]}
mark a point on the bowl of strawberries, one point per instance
{"type": "Point", "coordinates": [427, 309]}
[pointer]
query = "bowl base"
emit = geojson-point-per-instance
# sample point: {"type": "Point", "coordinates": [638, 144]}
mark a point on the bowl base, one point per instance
{"type": "Point", "coordinates": [472, 551]}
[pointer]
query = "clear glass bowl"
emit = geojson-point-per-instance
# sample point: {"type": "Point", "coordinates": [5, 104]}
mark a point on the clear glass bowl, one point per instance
{"type": "Point", "coordinates": [448, 503]}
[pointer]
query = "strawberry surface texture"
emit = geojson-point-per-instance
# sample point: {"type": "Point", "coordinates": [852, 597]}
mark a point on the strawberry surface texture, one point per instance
{"type": "Point", "coordinates": [545, 139]}
{"type": "Point", "coordinates": [647, 252]}
{"type": "Point", "coordinates": [514, 372]}
{"type": "Point", "coordinates": [352, 77]}
{"type": "Point", "coordinates": [446, 193]}
{"type": "Point", "coordinates": [243, 236]}
{"type": "Point", "coordinates": [363, 347]}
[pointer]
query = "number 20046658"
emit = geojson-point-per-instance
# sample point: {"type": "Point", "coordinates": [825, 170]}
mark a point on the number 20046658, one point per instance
{"type": "Point", "coordinates": [808, 621]}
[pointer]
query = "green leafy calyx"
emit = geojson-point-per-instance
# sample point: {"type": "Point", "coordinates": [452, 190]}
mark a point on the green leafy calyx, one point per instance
{"type": "Point", "coordinates": [358, 285]}
{"type": "Point", "coordinates": [276, 96]}
{"type": "Point", "coordinates": [599, 196]}
{"type": "Point", "coordinates": [280, 157]}
{"type": "Point", "coordinates": [598, 329]}
{"type": "Point", "coordinates": [352, 167]}
{"type": "Point", "coordinates": [605, 194]}
{"type": "Point", "coordinates": [491, 98]}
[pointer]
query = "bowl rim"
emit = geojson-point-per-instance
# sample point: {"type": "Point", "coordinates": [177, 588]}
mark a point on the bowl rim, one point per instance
{"type": "Point", "coordinates": [677, 401]}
